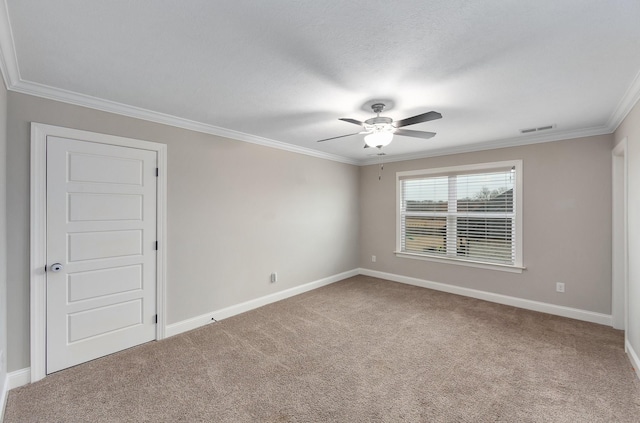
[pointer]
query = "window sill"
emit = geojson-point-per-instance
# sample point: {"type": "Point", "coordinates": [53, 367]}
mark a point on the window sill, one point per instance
{"type": "Point", "coordinates": [460, 262]}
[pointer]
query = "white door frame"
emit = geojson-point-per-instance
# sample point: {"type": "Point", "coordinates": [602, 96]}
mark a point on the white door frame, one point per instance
{"type": "Point", "coordinates": [38, 245]}
{"type": "Point", "coordinates": [619, 258]}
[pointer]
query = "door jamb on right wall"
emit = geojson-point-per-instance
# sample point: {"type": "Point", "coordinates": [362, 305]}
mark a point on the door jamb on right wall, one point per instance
{"type": "Point", "coordinates": [619, 254]}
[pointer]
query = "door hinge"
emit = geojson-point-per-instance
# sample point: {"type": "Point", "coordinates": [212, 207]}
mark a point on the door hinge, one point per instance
{"type": "Point", "coordinates": [157, 171]}
{"type": "Point", "coordinates": [156, 246]}
{"type": "Point", "coordinates": [156, 318]}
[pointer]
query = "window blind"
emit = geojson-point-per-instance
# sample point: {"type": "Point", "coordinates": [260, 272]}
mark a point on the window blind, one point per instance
{"type": "Point", "coordinates": [469, 216]}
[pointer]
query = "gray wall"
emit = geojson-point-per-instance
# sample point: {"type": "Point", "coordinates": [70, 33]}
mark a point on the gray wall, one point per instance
{"type": "Point", "coordinates": [630, 128]}
{"type": "Point", "coordinates": [3, 234]}
{"type": "Point", "coordinates": [566, 224]}
{"type": "Point", "coordinates": [236, 213]}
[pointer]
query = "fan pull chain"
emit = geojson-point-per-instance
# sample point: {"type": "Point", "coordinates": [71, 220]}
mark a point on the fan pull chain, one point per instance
{"type": "Point", "coordinates": [381, 167]}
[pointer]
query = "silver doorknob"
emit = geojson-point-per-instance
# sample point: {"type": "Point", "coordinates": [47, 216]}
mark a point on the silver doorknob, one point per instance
{"type": "Point", "coordinates": [56, 267]}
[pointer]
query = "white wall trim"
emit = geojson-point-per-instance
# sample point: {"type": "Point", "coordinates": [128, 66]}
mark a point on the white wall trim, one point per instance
{"type": "Point", "coordinates": [574, 313]}
{"type": "Point", "coordinates": [492, 145]}
{"type": "Point", "coordinates": [38, 253]}
{"type": "Point", "coordinates": [619, 251]}
{"type": "Point", "coordinates": [70, 97]}
{"type": "Point", "coordinates": [633, 357]}
{"type": "Point", "coordinates": [23, 376]}
{"type": "Point", "coordinates": [12, 380]}
{"type": "Point", "coordinates": [9, 68]}
{"type": "Point", "coordinates": [8, 60]}
{"type": "Point", "coordinates": [14, 83]}
{"type": "Point", "coordinates": [627, 102]}
{"type": "Point", "coordinates": [18, 378]}
{"type": "Point", "coordinates": [204, 319]}
{"type": "Point", "coordinates": [3, 396]}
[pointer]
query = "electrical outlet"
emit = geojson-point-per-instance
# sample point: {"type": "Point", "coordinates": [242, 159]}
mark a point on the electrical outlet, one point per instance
{"type": "Point", "coordinates": [274, 277]}
{"type": "Point", "coordinates": [373, 259]}
{"type": "Point", "coordinates": [560, 286]}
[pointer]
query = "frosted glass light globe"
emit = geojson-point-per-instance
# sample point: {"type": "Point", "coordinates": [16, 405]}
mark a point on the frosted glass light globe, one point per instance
{"type": "Point", "coordinates": [378, 139]}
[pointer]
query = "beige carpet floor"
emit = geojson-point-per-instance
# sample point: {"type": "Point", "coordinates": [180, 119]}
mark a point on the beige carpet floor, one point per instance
{"type": "Point", "coordinates": [361, 350]}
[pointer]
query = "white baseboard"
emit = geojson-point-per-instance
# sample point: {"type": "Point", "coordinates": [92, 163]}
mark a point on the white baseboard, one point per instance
{"type": "Point", "coordinates": [633, 357]}
{"type": "Point", "coordinates": [3, 397]}
{"type": "Point", "coordinates": [573, 313]}
{"type": "Point", "coordinates": [12, 380]}
{"type": "Point", "coordinates": [204, 319]}
{"type": "Point", "coordinates": [23, 376]}
{"type": "Point", "coordinates": [18, 378]}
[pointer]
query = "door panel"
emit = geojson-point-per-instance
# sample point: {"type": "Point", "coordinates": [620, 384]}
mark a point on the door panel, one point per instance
{"type": "Point", "coordinates": [102, 320]}
{"type": "Point", "coordinates": [97, 283]}
{"type": "Point", "coordinates": [100, 245]}
{"type": "Point", "coordinates": [101, 226]}
{"type": "Point", "coordinates": [89, 168]}
{"type": "Point", "coordinates": [92, 207]}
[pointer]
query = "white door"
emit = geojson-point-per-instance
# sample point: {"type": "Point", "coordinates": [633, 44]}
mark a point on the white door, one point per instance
{"type": "Point", "coordinates": [101, 230]}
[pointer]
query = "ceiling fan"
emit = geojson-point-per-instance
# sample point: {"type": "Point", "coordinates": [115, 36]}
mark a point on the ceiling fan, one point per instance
{"type": "Point", "coordinates": [380, 130]}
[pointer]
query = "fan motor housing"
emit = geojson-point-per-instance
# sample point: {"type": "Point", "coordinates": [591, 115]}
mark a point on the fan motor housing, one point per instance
{"type": "Point", "coordinates": [378, 123]}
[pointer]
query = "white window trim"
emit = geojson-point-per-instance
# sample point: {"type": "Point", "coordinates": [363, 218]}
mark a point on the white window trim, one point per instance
{"type": "Point", "coordinates": [517, 267]}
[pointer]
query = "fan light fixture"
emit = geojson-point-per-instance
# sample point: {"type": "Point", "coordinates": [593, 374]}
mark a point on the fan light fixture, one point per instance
{"type": "Point", "coordinates": [379, 139]}
{"type": "Point", "coordinates": [380, 129]}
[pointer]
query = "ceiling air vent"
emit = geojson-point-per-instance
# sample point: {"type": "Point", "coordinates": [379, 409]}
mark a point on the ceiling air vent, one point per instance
{"type": "Point", "coordinates": [541, 128]}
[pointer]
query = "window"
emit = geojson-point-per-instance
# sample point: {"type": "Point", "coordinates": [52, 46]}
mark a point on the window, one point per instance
{"type": "Point", "coordinates": [464, 214]}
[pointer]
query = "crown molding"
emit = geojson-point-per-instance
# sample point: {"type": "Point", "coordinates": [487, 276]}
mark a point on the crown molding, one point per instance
{"type": "Point", "coordinates": [45, 91]}
{"type": "Point", "coordinates": [492, 145]}
{"type": "Point", "coordinates": [628, 101]}
{"type": "Point", "coordinates": [8, 60]}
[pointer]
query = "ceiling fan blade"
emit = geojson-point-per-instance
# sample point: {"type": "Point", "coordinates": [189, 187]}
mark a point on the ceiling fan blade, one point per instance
{"type": "Point", "coordinates": [355, 122]}
{"type": "Point", "coordinates": [415, 134]}
{"type": "Point", "coordinates": [425, 117]}
{"type": "Point", "coordinates": [341, 136]}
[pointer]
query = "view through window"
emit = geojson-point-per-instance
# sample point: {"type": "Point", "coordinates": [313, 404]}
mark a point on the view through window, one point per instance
{"type": "Point", "coordinates": [462, 214]}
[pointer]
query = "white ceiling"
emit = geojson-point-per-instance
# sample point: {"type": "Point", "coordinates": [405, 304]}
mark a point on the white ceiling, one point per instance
{"type": "Point", "coordinates": [282, 72]}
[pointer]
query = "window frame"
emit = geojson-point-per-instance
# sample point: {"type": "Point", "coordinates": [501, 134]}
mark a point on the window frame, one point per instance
{"type": "Point", "coordinates": [518, 265]}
